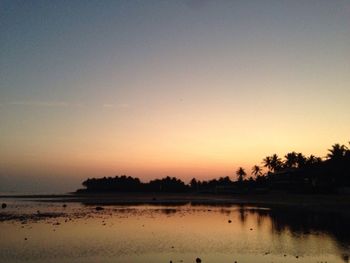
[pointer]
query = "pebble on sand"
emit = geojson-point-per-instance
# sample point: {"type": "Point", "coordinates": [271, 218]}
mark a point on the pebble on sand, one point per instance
{"type": "Point", "coordinates": [198, 260]}
{"type": "Point", "coordinates": [3, 205]}
{"type": "Point", "coordinates": [229, 221]}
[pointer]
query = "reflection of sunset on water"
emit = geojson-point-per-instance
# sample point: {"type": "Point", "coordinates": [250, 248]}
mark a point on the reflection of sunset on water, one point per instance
{"type": "Point", "coordinates": [161, 233]}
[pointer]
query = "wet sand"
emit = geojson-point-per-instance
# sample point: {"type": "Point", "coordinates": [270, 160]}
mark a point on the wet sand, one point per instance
{"type": "Point", "coordinates": [310, 202]}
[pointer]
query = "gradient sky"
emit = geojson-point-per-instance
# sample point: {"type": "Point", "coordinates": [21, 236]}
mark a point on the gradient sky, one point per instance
{"type": "Point", "coordinates": [179, 88]}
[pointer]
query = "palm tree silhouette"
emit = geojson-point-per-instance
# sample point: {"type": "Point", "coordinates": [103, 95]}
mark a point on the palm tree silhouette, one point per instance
{"type": "Point", "coordinates": [256, 170]}
{"type": "Point", "coordinates": [337, 151]}
{"type": "Point", "coordinates": [241, 174]}
{"type": "Point", "coordinates": [291, 159]}
{"type": "Point", "coordinates": [301, 160]}
{"type": "Point", "coordinates": [276, 163]}
{"type": "Point", "coordinates": [312, 159]}
{"type": "Point", "coordinates": [347, 153]}
{"type": "Point", "coordinates": [267, 162]}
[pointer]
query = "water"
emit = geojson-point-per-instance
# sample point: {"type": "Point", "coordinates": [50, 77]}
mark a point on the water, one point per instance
{"type": "Point", "coordinates": [145, 233]}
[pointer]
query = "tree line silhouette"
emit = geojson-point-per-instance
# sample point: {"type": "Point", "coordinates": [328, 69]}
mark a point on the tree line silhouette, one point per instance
{"type": "Point", "coordinates": [294, 173]}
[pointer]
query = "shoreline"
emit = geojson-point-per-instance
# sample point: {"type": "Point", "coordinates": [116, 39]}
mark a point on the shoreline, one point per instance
{"type": "Point", "coordinates": [328, 203]}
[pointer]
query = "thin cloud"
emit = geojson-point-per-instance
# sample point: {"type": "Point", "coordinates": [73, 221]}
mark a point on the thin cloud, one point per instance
{"type": "Point", "coordinates": [59, 104]}
{"type": "Point", "coordinates": [118, 106]}
{"type": "Point", "coordinates": [40, 103]}
{"type": "Point", "coordinates": [123, 105]}
{"type": "Point", "coordinates": [108, 105]}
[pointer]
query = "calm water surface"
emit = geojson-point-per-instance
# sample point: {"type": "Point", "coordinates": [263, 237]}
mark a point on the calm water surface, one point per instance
{"type": "Point", "coordinates": [79, 233]}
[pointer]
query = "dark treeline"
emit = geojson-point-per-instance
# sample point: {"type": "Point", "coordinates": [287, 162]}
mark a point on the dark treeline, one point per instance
{"type": "Point", "coordinates": [294, 173]}
{"type": "Point", "coordinates": [130, 184]}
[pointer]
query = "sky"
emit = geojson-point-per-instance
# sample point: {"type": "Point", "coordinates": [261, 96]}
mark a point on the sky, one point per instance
{"type": "Point", "coordinates": [167, 88]}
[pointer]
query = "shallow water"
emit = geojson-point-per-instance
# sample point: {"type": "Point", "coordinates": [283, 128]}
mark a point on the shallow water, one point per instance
{"type": "Point", "coordinates": [145, 233]}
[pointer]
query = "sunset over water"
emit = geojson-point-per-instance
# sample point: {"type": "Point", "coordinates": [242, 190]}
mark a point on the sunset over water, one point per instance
{"type": "Point", "coordinates": [175, 131]}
